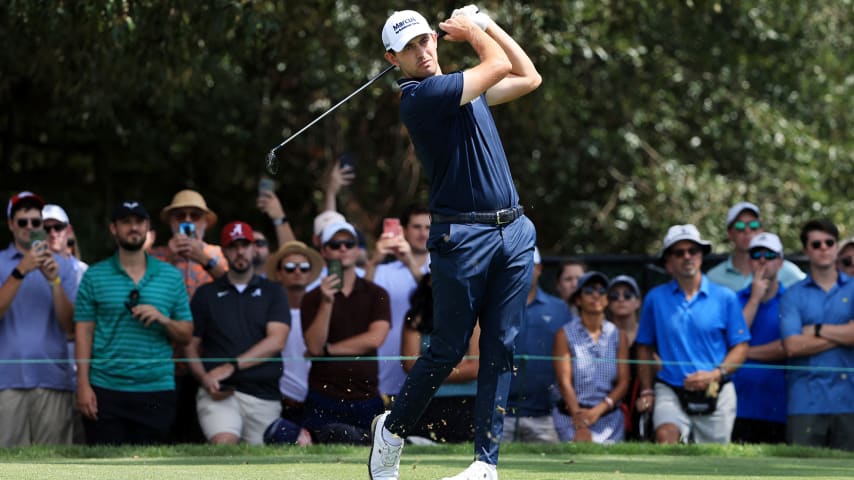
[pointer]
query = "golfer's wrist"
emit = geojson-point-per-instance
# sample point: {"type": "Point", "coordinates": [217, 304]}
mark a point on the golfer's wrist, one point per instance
{"type": "Point", "coordinates": [647, 392]}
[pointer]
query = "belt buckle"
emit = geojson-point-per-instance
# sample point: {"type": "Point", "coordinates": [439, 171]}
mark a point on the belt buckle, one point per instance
{"type": "Point", "coordinates": [498, 217]}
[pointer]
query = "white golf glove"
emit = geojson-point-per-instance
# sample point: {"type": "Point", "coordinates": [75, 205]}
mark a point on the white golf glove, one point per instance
{"type": "Point", "coordinates": [479, 18]}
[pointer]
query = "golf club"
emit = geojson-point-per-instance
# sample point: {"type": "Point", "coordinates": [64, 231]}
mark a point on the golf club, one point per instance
{"type": "Point", "coordinates": [272, 160]}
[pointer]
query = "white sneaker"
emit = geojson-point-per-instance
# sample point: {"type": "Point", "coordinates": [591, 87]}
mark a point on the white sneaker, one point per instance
{"type": "Point", "coordinates": [477, 471]}
{"type": "Point", "coordinates": [384, 462]}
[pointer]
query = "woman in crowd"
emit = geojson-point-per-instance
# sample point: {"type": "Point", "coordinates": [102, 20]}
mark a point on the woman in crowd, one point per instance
{"type": "Point", "coordinates": [591, 367]}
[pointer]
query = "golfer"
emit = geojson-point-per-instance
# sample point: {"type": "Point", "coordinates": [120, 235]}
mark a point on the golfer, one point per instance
{"type": "Point", "coordinates": [481, 245]}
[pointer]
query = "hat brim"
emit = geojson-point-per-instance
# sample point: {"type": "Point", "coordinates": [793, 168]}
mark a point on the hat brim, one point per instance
{"type": "Point", "coordinates": [272, 264]}
{"type": "Point", "coordinates": [591, 277]}
{"type": "Point", "coordinates": [210, 216]}
{"type": "Point", "coordinates": [705, 245]}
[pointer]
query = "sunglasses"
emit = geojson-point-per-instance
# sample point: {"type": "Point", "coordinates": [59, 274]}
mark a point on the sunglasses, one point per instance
{"type": "Point", "coordinates": [56, 228]}
{"type": "Point", "coordinates": [762, 253]}
{"type": "Point", "coordinates": [742, 226]}
{"type": "Point", "coordinates": [261, 243]}
{"type": "Point", "coordinates": [626, 295]}
{"type": "Point", "coordinates": [336, 244]}
{"type": "Point", "coordinates": [847, 261]}
{"type": "Point", "coordinates": [291, 267]}
{"type": "Point", "coordinates": [680, 252]}
{"type": "Point", "coordinates": [35, 222]}
{"type": "Point", "coordinates": [195, 215]}
{"type": "Point", "coordinates": [132, 300]}
{"type": "Point", "coordinates": [588, 290]}
{"type": "Point", "coordinates": [828, 242]}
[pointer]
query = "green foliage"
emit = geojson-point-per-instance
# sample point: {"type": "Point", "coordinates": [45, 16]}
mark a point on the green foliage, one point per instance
{"type": "Point", "coordinates": [651, 112]}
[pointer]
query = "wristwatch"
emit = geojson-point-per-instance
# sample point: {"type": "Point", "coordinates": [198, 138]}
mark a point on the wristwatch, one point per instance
{"type": "Point", "coordinates": [280, 221]}
{"type": "Point", "coordinates": [817, 327]}
{"type": "Point", "coordinates": [724, 374]}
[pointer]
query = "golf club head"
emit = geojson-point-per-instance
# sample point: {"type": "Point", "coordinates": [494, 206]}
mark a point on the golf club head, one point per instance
{"type": "Point", "coordinates": [272, 162]}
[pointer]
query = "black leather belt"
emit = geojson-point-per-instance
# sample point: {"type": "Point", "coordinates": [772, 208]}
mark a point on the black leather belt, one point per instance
{"type": "Point", "coordinates": [496, 217]}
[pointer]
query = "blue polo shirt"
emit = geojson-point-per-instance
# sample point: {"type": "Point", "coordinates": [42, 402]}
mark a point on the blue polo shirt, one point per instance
{"type": "Point", "coordinates": [535, 377]}
{"type": "Point", "coordinates": [691, 335]}
{"type": "Point", "coordinates": [761, 386]}
{"type": "Point", "coordinates": [458, 146]}
{"type": "Point", "coordinates": [727, 275]}
{"type": "Point", "coordinates": [822, 383]}
{"type": "Point", "coordinates": [30, 331]}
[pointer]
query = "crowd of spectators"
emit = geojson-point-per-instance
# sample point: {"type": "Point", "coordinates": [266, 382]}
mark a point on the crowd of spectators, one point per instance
{"type": "Point", "coordinates": [305, 343]}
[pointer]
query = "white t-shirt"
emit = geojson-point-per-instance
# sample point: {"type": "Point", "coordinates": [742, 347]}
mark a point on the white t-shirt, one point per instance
{"type": "Point", "coordinates": [294, 381]}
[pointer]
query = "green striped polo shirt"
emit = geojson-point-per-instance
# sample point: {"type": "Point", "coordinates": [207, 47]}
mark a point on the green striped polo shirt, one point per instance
{"type": "Point", "coordinates": [126, 355]}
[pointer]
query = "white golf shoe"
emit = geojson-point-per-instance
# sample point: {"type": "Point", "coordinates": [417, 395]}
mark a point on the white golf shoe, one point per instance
{"type": "Point", "coordinates": [384, 462]}
{"type": "Point", "coordinates": [477, 471]}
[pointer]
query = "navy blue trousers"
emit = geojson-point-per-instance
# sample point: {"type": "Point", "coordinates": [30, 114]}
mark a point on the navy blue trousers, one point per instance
{"type": "Point", "coordinates": [481, 273]}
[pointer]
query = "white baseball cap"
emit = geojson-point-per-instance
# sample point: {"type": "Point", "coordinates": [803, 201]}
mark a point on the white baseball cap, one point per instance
{"type": "Point", "coordinates": [403, 26]}
{"type": "Point", "coordinates": [677, 233]}
{"type": "Point", "coordinates": [326, 218]}
{"type": "Point", "coordinates": [739, 207]}
{"type": "Point", "coordinates": [54, 212]}
{"type": "Point", "coordinates": [330, 230]}
{"type": "Point", "coordinates": [767, 240]}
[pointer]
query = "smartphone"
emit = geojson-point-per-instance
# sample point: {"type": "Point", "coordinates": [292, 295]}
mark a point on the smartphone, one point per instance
{"type": "Point", "coordinates": [188, 229]}
{"type": "Point", "coordinates": [333, 266]}
{"type": "Point", "coordinates": [37, 240]}
{"type": "Point", "coordinates": [266, 185]}
{"type": "Point", "coordinates": [347, 160]}
{"type": "Point", "coordinates": [391, 227]}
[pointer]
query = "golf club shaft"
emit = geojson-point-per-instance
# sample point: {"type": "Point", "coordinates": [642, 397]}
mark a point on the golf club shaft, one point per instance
{"type": "Point", "coordinates": [322, 115]}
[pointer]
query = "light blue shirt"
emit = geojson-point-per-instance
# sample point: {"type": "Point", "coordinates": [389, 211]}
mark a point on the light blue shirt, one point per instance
{"type": "Point", "coordinates": [691, 335]}
{"type": "Point", "coordinates": [30, 331]}
{"type": "Point", "coordinates": [822, 383]}
{"type": "Point", "coordinates": [727, 275]}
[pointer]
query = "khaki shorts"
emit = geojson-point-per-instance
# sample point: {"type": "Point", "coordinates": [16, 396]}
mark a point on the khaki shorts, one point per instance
{"type": "Point", "coordinates": [529, 429]}
{"type": "Point", "coordinates": [714, 428]}
{"type": "Point", "coordinates": [240, 414]}
{"type": "Point", "coordinates": [35, 416]}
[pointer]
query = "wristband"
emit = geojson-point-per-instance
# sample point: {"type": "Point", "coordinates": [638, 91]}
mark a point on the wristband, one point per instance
{"type": "Point", "coordinates": [56, 281]}
{"type": "Point", "coordinates": [280, 221]}
{"type": "Point", "coordinates": [648, 392]}
{"type": "Point", "coordinates": [17, 274]}
{"type": "Point", "coordinates": [609, 402]}
{"type": "Point", "coordinates": [818, 329]}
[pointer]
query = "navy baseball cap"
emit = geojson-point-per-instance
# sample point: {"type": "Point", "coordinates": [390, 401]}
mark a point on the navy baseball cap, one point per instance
{"type": "Point", "coordinates": [128, 208]}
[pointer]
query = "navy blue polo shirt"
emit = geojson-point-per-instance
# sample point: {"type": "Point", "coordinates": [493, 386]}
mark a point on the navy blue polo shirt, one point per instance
{"type": "Point", "coordinates": [458, 146]}
{"type": "Point", "coordinates": [230, 322]}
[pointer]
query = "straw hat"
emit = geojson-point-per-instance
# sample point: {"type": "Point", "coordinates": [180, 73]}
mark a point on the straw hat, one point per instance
{"type": "Point", "coordinates": [188, 199]}
{"type": "Point", "coordinates": [313, 256]}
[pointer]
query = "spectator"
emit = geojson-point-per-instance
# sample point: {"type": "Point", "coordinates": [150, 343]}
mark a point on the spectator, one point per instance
{"type": "Point", "coordinates": [59, 230]}
{"type": "Point", "coordinates": [245, 319]}
{"type": "Point", "coordinates": [199, 262]}
{"type": "Point", "coordinates": [294, 265]}
{"type": "Point", "coordinates": [760, 384]}
{"type": "Point", "coordinates": [591, 367]}
{"type": "Point", "coordinates": [269, 203]}
{"type": "Point", "coordinates": [36, 391]}
{"type": "Point", "coordinates": [697, 328]}
{"type": "Point", "coordinates": [262, 252]}
{"type": "Point", "coordinates": [624, 302]}
{"type": "Point", "coordinates": [399, 278]}
{"type": "Point", "coordinates": [129, 310]}
{"type": "Point", "coordinates": [450, 413]}
{"type": "Point", "coordinates": [346, 316]}
{"type": "Point", "coordinates": [743, 224]}
{"type": "Point", "coordinates": [845, 259]}
{"type": "Point", "coordinates": [529, 417]}
{"type": "Point", "coordinates": [818, 333]}
{"type": "Point", "coordinates": [567, 277]}
{"type": "Point", "coordinates": [321, 221]}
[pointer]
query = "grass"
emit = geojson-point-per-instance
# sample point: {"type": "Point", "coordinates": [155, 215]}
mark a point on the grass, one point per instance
{"type": "Point", "coordinates": [518, 462]}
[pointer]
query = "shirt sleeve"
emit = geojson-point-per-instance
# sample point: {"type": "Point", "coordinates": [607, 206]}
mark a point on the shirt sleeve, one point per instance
{"type": "Point", "coordinates": [737, 331]}
{"type": "Point", "coordinates": [181, 308]}
{"type": "Point", "coordinates": [438, 95]}
{"type": "Point", "coordinates": [308, 308]}
{"type": "Point", "coordinates": [646, 327]}
{"type": "Point", "coordinates": [279, 309]}
{"type": "Point", "coordinates": [790, 317]}
{"type": "Point", "coordinates": [382, 306]}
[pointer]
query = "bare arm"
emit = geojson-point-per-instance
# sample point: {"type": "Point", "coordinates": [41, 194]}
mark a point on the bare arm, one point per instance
{"type": "Point", "coordinates": [270, 204]}
{"type": "Point", "coordinates": [767, 352]}
{"type": "Point", "coordinates": [363, 342]}
{"type": "Point", "coordinates": [803, 345]}
{"type": "Point", "coordinates": [11, 284]}
{"type": "Point", "coordinates": [494, 64]}
{"type": "Point", "coordinates": [318, 332]}
{"type": "Point", "coordinates": [180, 332]}
{"type": "Point", "coordinates": [523, 77]}
{"type": "Point", "coordinates": [840, 334]}
{"type": "Point", "coordinates": [563, 371]}
{"type": "Point", "coordinates": [86, 400]}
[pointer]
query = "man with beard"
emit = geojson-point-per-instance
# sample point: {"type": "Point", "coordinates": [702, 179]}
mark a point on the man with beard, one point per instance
{"type": "Point", "coordinates": [399, 277]}
{"type": "Point", "coordinates": [130, 308]}
{"type": "Point", "coordinates": [697, 328]}
{"type": "Point", "coordinates": [240, 320]}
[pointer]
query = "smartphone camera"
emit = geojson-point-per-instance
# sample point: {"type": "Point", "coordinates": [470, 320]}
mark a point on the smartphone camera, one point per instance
{"type": "Point", "coordinates": [38, 240]}
{"type": "Point", "coordinates": [333, 266]}
{"type": "Point", "coordinates": [188, 229]}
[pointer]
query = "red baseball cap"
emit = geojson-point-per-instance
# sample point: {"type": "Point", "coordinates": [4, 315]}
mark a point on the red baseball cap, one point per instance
{"type": "Point", "coordinates": [23, 196]}
{"type": "Point", "coordinates": [236, 230]}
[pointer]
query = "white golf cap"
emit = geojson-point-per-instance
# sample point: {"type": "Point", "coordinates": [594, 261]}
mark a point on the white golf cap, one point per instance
{"type": "Point", "coordinates": [403, 26]}
{"type": "Point", "coordinates": [330, 230]}
{"type": "Point", "coordinates": [736, 210]}
{"type": "Point", "coordinates": [54, 212]}
{"type": "Point", "coordinates": [689, 232]}
{"type": "Point", "coordinates": [767, 240]}
{"type": "Point", "coordinates": [325, 218]}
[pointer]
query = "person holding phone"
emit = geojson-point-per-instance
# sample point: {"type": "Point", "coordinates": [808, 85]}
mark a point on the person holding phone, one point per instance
{"type": "Point", "coordinates": [346, 316]}
{"type": "Point", "coordinates": [36, 312]}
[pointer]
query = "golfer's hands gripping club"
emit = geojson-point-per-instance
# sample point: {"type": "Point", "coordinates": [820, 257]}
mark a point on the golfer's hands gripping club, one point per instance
{"type": "Point", "coordinates": [474, 14]}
